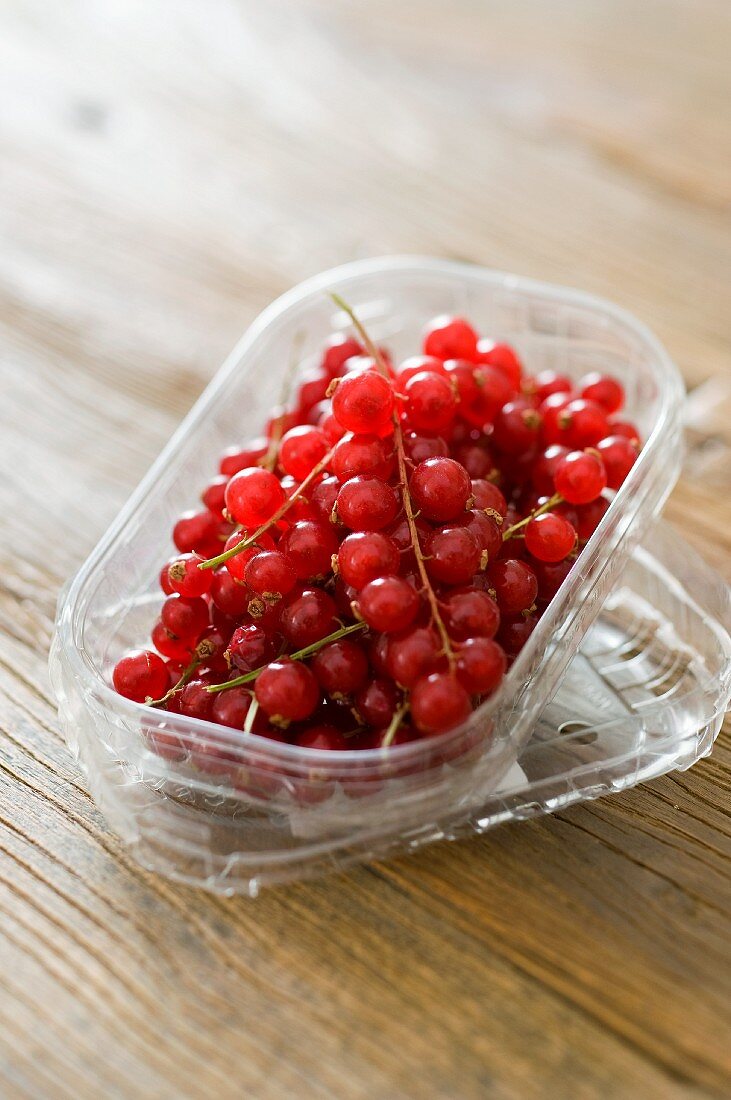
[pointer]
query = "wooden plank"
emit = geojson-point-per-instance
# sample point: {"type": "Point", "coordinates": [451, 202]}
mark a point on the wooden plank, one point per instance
{"type": "Point", "coordinates": [164, 172]}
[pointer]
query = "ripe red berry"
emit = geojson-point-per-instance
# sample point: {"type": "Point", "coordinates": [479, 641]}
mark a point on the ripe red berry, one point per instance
{"type": "Point", "coordinates": [484, 530]}
{"type": "Point", "coordinates": [470, 613]}
{"type": "Point", "coordinates": [338, 349]}
{"type": "Point", "coordinates": [141, 675]}
{"type": "Point", "coordinates": [323, 738]}
{"type": "Point", "coordinates": [488, 496]}
{"type": "Point", "coordinates": [365, 555]}
{"type": "Point", "coordinates": [308, 616]}
{"type": "Point", "coordinates": [177, 649]}
{"type": "Point", "coordinates": [515, 631]}
{"type": "Point", "coordinates": [363, 454]}
{"type": "Point", "coordinates": [231, 707]}
{"type": "Point", "coordinates": [429, 402]}
{"type": "Point", "coordinates": [186, 578]}
{"type": "Point", "coordinates": [185, 618]}
{"type": "Point", "coordinates": [501, 356]}
{"type": "Point", "coordinates": [200, 532]}
{"type": "Point", "coordinates": [580, 477]}
{"type": "Point", "coordinates": [550, 537]}
{"type": "Point", "coordinates": [440, 489]}
{"type": "Point", "coordinates": [450, 338]}
{"type": "Point", "coordinates": [214, 494]}
{"type": "Point", "coordinates": [480, 665]}
{"type": "Point", "coordinates": [517, 427]}
{"type": "Point", "coordinates": [545, 383]}
{"type": "Point", "coordinates": [240, 458]}
{"type": "Point", "coordinates": [308, 547]}
{"type": "Point", "coordinates": [439, 703]}
{"type": "Point", "coordinates": [363, 402]}
{"type": "Point", "coordinates": [341, 667]}
{"type": "Point", "coordinates": [625, 428]}
{"type": "Point", "coordinates": [514, 584]}
{"type": "Point", "coordinates": [416, 364]}
{"type": "Point", "coordinates": [452, 555]}
{"type": "Point", "coordinates": [301, 449]}
{"type": "Point", "coordinates": [366, 504]}
{"type": "Point", "coordinates": [388, 604]}
{"type": "Point", "coordinates": [195, 700]}
{"type": "Point", "coordinates": [269, 574]}
{"type": "Point", "coordinates": [589, 516]}
{"type": "Point", "coordinates": [324, 495]}
{"type": "Point", "coordinates": [420, 447]}
{"type": "Point", "coordinates": [287, 691]}
{"type": "Point", "coordinates": [603, 390]}
{"type": "Point", "coordinates": [412, 654]}
{"type": "Point", "coordinates": [253, 496]}
{"type": "Point", "coordinates": [375, 703]}
{"type": "Point", "coordinates": [250, 647]}
{"type": "Point", "coordinates": [618, 455]}
{"type": "Point", "coordinates": [582, 423]}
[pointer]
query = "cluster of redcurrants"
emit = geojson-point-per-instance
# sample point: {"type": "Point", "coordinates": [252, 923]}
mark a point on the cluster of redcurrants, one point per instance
{"type": "Point", "coordinates": [363, 575]}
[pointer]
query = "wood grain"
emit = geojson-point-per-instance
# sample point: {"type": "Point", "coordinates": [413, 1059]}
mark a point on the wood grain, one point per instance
{"type": "Point", "coordinates": [165, 170]}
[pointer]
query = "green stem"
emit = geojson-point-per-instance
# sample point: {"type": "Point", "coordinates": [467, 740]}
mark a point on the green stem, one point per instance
{"type": "Point", "coordinates": [186, 675]}
{"type": "Point", "coordinates": [394, 724]}
{"type": "Point", "coordinates": [550, 503]}
{"type": "Point", "coordinates": [298, 655]}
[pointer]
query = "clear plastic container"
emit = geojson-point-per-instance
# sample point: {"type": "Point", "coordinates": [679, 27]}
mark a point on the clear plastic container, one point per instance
{"type": "Point", "coordinates": [234, 811]}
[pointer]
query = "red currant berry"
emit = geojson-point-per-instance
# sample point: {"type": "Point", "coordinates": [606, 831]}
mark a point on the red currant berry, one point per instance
{"type": "Point", "coordinates": [487, 497]}
{"type": "Point", "coordinates": [420, 447]}
{"type": "Point", "coordinates": [480, 665]}
{"type": "Point", "coordinates": [185, 618]}
{"type": "Point", "coordinates": [324, 495]}
{"type": "Point", "coordinates": [214, 494]}
{"type": "Point", "coordinates": [323, 738]}
{"type": "Point", "coordinates": [341, 667]}
{"type": "Point", "coordinates": [551, 575]}
{"type": "Point", "coordinates": [230, 707]}
{"type": "Point", "coordinates": [375, 703]}
{"type": "Point", "coordinates": [582, 423]}
{"type": "Point", "coordinates": [417, 364]}
{"type": "Point", "coordinates": [141, 675]}
{"type": "Point", "coordinates": [308, 547]}
{"type": "Point", "coordinates": [301, 449]}
{"type": "Point", "coordinates": [429, 402]}
{"type": "Point", "coordinates": [580, 477]}
{"type": "Point", "coordinates": [363, 454]}
{"type": "Point", "coordinates": [551, 410]}
{"type": "Point", "coordinates": [412, 654]}
{"type": "Point", "coordinates": [253, 496]}
{"type": "Point", "coordinates": [453, 555]}
{"type": "Point", "coordinates": [237, 458]}
{"type": "Point", "coordinates": [366, 504]}
{"type": "Point", "coordinates": [503, 357]}
{"type": "Point", "coordinates": [388, 604]}
{"type": "Point", "coordinates": [589, 516]}
{"type": "Point", "coordinates": [196, 701]}
{"type": "Point", "coordinates": [312, 390]}
{"type": "Point", "coordinates": [165, 577]}
{"type": "Point", "coordinates": [544, 469]}
{"type": "Point", "coordinates": [440, 489]}
{"type": "Point", "coordinates": [287, 691]}
{"type": "Point", "coordinates": [515, 631]}
{"type": "Point", "coordinates": [338, 349]}
{"type": "Point", "coordinates": [199, 532]}
{"type": "Point", "coordinates": [545, 383]}
{"type": "Point", "coordinates": [307, 617]}
{"type": "Point", "coordinates": [250, 647]}
{"type": "Point", "coordinates": [514, 584]}
{"type": "Point", "coordinates": [439, 703]}
{"type": "Point", "coordinates": [177, 649]}
{"type": "Point", "coordinates": [603, 390]}
{"type": "Point", "coordinates": [618, 455]}
{"type": "Point", "coordinates": [493, 390]}
{"type": "Point", "coordinates": [625, 428]}
{"type": "Point", "coordinates": [365, 555]}
{"type": "Point", "coordinates": [363, 402]}
{"type": "Point", "coordinates": [550, 537]}
{"type": "Point", "coordinates": [469, 613]}
{"type": "Point", "coordinates": [186, 578]}
{"type": "Point", "coordinates": [450, 338]}
{"type": "Point", "coordinates": [484, 530]}
{"type": "Point", "coordinates": [270, 574]}
{"type": "Point", "coordinates": [517, 427]}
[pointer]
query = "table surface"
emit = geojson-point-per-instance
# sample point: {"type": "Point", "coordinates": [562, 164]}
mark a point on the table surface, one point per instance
{"type": "Point", "coordinates": [167, 169]}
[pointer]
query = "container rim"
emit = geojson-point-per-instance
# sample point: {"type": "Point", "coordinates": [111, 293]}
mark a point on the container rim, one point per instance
{"type": "Point", "coordinates": [85, 671]}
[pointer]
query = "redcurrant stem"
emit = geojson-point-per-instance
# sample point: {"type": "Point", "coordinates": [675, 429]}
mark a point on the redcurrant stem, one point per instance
{"type": "Point", "coordinates": [186, 675]}
{"type": "Point", "coordinates": [393, 725]}
{"type": "Point", "coordinates": [251, 715]}
{"type": "Point", "coordinates": [405, 494]}
{"type": "Point", "coordinates": [546, 507]}
{"type": "Point", "coordinates": [298, 655]}
{"type": "Point", "coordinates": [269, 460]}
{"type": "Point", "coordinates": [213, 563]}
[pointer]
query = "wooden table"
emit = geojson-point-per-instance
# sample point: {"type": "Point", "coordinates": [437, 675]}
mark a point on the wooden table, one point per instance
{"type": "Point", "coordinates": [165, 170]}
